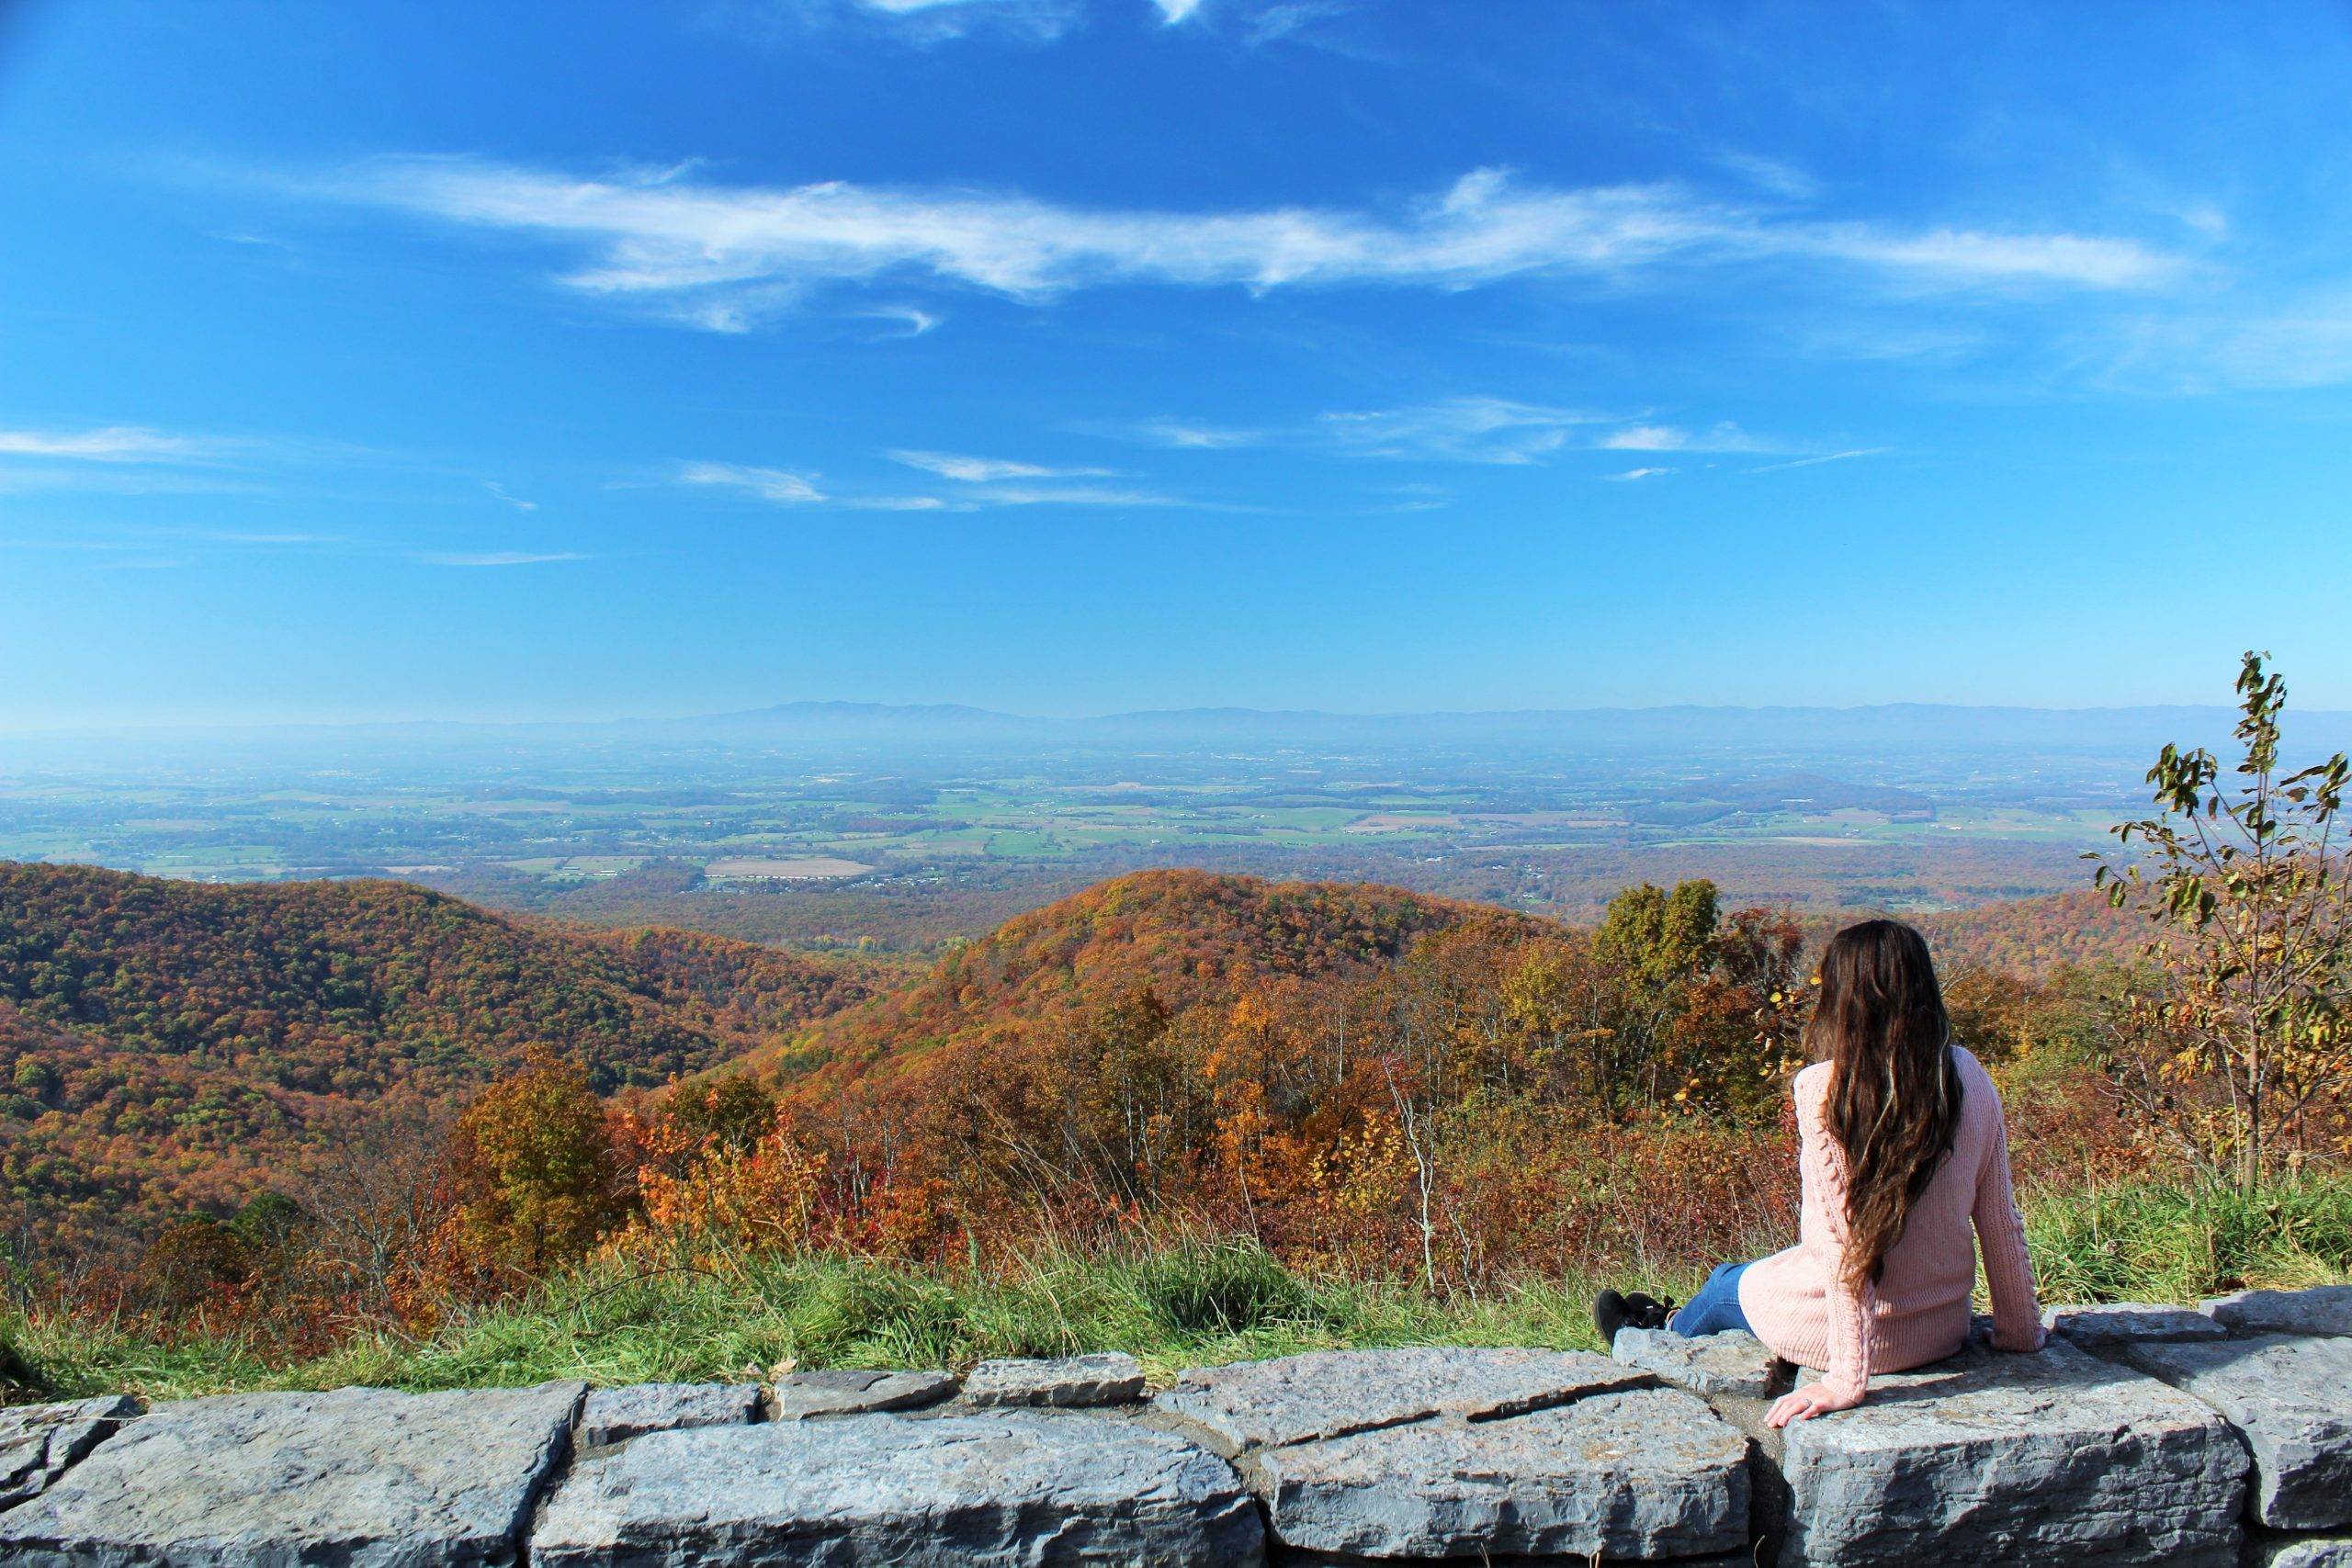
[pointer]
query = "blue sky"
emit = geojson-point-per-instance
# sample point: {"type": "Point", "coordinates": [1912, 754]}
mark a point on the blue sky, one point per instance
{"type": "Point", "coordinates": [1064, 355]}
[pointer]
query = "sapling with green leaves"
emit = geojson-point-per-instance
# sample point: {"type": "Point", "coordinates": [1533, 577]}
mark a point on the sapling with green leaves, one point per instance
{"type": "Point", "coordinates": [2240, 1036]}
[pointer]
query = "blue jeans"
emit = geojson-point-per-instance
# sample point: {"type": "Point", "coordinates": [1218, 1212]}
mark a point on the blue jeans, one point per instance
{"type": "Point", "coordinates": [1715, 1308]}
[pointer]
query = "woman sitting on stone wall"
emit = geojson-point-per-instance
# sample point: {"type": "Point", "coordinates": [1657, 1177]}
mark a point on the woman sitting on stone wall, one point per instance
{"type": "Point", "coordinates": [1903, 1150]}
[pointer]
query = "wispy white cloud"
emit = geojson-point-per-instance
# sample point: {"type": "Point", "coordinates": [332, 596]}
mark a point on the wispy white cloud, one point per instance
{"type": "Point", "coordinates": [984, 498]}
{"type": "Point", "coordinates": [1072, 495]}
{"type": "Point", "coordinates": [1470, 429]}
{"type": "Point", "coordinates": [721, 256]}
{"type": "Point", "coordinates": [494, 557]}
{"type": "Point", "coordinates": [987, 470]}
{"type": "Point", "coordinates": [2299, 340]}
{"type": "Point", "coordinates": [1639, 474]}
{"type": "Point", "coordinates": [1770, 174]}
{"type": "Point", "coordinates": [1474, 430]}
{"type": "Point", "coordinates": [1289, 18]}
{"type": "Point", "coordinates": [1188, 433]}
{"type": "Point", "coordinates": [768, 484]}
{"type": "Point", "coordinates": [1724, 437]}
{"type": "Point", "coordinates": [914, 322]}
{"type": "Point", "coordinates": [106, 444]}
{"type": "Point", "coordinates": [1173, 11]}
{"type": "Point", "coordinates": [1818, 460]}
{"type": "Point", "coordinates": [912, 21]}
{"type": "Point", "coordinates": [119, 478]}
{"type": "Point", "coordinates": [895, 503]}
{"type": "Point", "coordinates": [983, 483]}
{"type": "Point", "coordinates": [517, 503]}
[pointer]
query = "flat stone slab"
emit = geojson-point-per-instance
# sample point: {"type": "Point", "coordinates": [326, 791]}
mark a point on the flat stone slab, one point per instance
{"type": "Point", "coordinates": [1014, 1487]}
{"type": "Point", "coordinates": [38, 1442]}
{"type": "Point", "coordinates": [1068, 1381]}
{"type": "Point", "coordinates": [2325, 1309]}
{"type": "Point", "coordinates": [2119, 1323]}
{"type": "Point", "coordinates": [1732, 1364]}
{"type": "Point", "coordinates": [617, 1415]}
{"type": "Point", "coordinates": [358, 1476]}
{"type": "Point", "coordinates": [1645, 1472]}
{"type": "Point", "coordinates": [2304, 1551]}
{"type": "Point", "coordinates": [2057, 1456]}
{"type": "Point", "coordinates": [1329, 1393]}
{"type": "Point", "coordinates": [2290, 1398]}
{"type": "Point", "coordinates": [803, 1394]}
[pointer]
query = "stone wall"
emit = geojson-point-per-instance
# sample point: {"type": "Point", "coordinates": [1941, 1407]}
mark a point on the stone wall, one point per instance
{"type": "Point", "coordinates": [2141, 1435]}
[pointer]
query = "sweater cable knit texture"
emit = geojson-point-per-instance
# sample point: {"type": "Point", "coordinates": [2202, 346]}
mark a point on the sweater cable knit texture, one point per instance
{"type": "Point", "coordinates": [1917, 1311]}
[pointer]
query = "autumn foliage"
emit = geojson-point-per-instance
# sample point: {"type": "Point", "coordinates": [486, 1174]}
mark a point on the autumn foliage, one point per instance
{"type": "Point", "coordinates": [1359, 1079]}
{"type": "Point", "coordinates": [168, 1046]}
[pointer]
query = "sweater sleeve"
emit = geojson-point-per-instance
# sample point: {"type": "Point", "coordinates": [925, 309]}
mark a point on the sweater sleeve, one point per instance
{"type": "Point", "coordinates": [1822, 1166]}
{"type": "Point", "coordinates": [2000, 1234]}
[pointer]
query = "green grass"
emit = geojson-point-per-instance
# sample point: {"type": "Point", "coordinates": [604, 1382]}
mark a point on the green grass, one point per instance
{"type": "Point", "coordinates": [1186, 1304]}
{"type": "Point", "coordinates": [1189, 1304]}
{"type": "Point", "coordinates": [2176, 1244]}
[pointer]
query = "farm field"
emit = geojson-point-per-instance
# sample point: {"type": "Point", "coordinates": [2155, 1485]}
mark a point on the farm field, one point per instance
{"type": "Point", "coordinates": [903, 848]}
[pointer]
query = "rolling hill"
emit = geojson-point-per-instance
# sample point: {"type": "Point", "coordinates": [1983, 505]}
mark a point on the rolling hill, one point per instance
{"type": "Point", "coordinates": [1193, 937]}
{"type": "Point", "coordinates": [166, 1044]}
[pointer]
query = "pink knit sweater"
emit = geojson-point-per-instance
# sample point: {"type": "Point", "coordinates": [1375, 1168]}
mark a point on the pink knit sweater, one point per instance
{"type": "Point", "coordinates": [1917, 1310]}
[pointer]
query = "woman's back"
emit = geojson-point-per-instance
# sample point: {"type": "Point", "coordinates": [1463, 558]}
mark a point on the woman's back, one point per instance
{"type": "Point", "coordinates": [1918, 1309]}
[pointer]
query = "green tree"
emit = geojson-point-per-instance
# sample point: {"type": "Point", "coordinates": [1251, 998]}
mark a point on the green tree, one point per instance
{"type": "Point", "coordinates": [268, 1223]}
{"type": "Point", "coordinates": [537, 1166]}
{"type": "Point", "coordinates": [1660, 938]}
{"type": "Point", "coordinates": [36, 1078]}
{"type": "Point", "coordinates": [2250, 899]}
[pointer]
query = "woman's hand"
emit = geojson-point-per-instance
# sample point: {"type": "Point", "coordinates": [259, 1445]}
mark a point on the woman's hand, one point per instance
{"type": "Point", "coordinates": [1815, 1399]}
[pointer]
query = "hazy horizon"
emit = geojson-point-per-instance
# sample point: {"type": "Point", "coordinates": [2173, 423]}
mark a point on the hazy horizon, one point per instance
{"type": "Point", "coordinates": [817, 710]}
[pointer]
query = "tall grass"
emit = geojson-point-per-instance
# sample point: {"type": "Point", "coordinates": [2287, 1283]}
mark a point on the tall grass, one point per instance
{"type": "Point", "coordinates": [2176, 1244]}
{"type": "Point", "coordinates": [1185, 1303]}
{"type": "Point", "coordinates": [617, 1322]}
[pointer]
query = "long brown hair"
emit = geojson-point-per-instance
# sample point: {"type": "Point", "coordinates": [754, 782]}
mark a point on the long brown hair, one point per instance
{"type": "Point", "coordinates": [1894, 1090]}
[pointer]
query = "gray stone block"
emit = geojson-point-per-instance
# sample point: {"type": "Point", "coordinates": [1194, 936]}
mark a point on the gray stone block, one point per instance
{"type": "Point", "coordinates": [2269, 1551]}
{"type": "Point", "coordinates": [2290, 1398]}
{"type": "Point", "coordinates": [803, 1394]}
{"type": "Point", "coordinates": [1016, 1487]}
{"type": "Point", "coordinates": [1731, 1363]}
{"type": "Point", "coordinates": [38, 1442]}
{"type": "Point", "coordinates": [1329, 1394]}
{"type": "Point", "coordinates": [1994, 1458]}
{"type": "Point", "coordinates": [1068, 1381]}
{"type": "Point", "coordinates": [2118, 1322]}
{"type": "Point", "coordinates": [617, 1415]}
{"type": "Point", "coordinates": [361, 1477]}
{"type": "Point", "coordinates": [1641, 1474]}
{"type": "Point", "coordinates": [2326, 1308]}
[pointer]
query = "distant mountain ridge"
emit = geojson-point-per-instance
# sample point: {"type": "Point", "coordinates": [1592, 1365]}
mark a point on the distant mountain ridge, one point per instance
{"type": "Point", "coordinates": [1911, 724]}
{"type": "Point", "coordinates": [1697, 730]}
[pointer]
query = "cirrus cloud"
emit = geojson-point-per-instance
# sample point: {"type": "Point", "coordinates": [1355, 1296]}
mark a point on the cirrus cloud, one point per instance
{"type": "Point", "coordinates": [106, 444]}
{"type": "Point", "coordinates": [722, 256]}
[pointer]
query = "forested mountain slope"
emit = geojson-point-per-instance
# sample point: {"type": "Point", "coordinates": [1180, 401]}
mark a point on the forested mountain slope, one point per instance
{"type": "Point", "coordinates": [1188, 937]}
{"type": "Point", "coordinates": [2034, 936]}
{"type": "Point", "coordinates": [165, 1044]}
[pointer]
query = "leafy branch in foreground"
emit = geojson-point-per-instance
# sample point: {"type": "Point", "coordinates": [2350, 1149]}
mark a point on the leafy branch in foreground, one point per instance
{"type": "Point", "coordinates": [2241, 1043]}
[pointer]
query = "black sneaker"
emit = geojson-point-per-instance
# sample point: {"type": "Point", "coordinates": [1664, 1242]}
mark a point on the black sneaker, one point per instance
{"type": "Point", "coordinates": [1612, 1311]}
{"type": "Point", "coordinates": [1648, 1311]}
